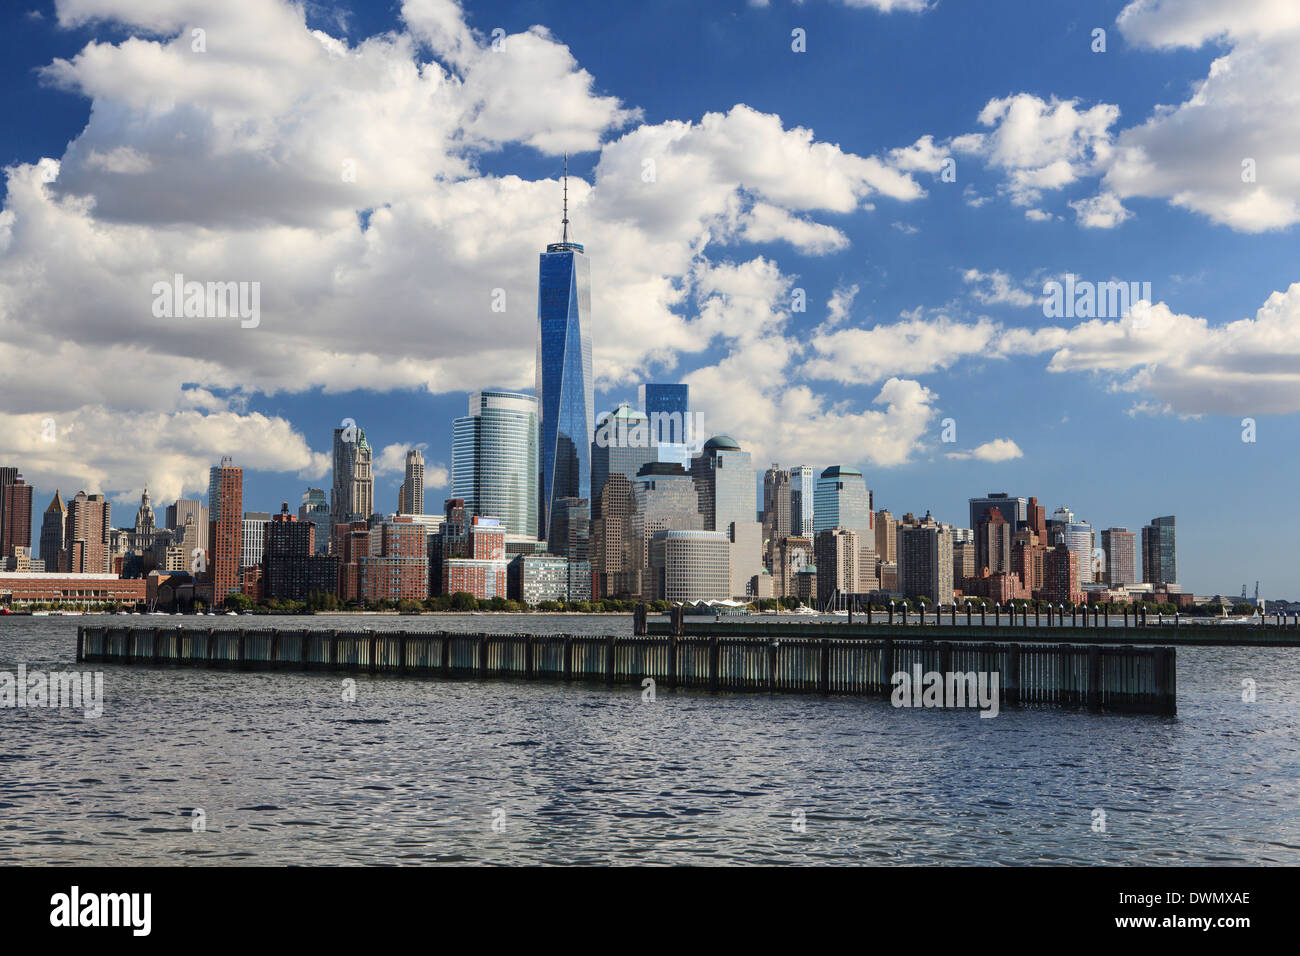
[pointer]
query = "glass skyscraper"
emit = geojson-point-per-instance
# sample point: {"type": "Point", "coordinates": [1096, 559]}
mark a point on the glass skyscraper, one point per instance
{"type": "Point", "coordinates": [623, 445]}
{"type": "Point", "coordinates": [494, 459]}
{"type": "Point", "coordinates": [1159, 552]}
{"type": "Point", "coordinates": [843, 501]}
{"type": "Point", "coordinates": [565, 393]}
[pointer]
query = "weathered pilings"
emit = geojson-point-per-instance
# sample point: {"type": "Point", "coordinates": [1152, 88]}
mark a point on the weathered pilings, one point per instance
{"type": "Point", "coordinates": [1114, 678]}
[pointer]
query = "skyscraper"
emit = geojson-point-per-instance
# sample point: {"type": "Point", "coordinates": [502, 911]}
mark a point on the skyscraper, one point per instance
{"type": "Point", "coordinates": [353, 495]}
{"type": "Point", "coordinates": [15, 512]}
{"type": "Point", "coordinates": [728, 488]}
{"type": "Point", "coordinates": [668, 409]}
{"type": "Point", "coordinates": [494, 459]}
{"type": "Point", "coordinates": [665, 499]}
{"type": "Point", "coordinates": [1078, 535]}
{"type": "Point", "coordinates": [1159, 558]}
{"type": "Point", "coordinates": [315, 509]}
{"type": "Point", "coordinates": [1014, 510]}
{"type": "Point", "coordinates": [252, 544]}
{"type": "Point", "coordinates": [86, 534]}
{"type": "Point", "coordinates": [565, 391]}
{"type": "Point", "coordinates": [776, 504]}
{"type": "Point", "coordinates": [843, 501]}
{"type": "Point", "coordinates": [410, 498]}
{"type": "Point", "coordinates": [623, 445]}
{"type": "Point", "coordinates": [925, 560]}
{"type": "Point", "coordinates": [53, 532]}
{"type": "Point", "coordinates": [176, 514]}
{"type": "Point", "coordinates": [1119, 546]}
{"type": "Point", "coordinates": [802, 483]}
{"type": "Point", "coordinates": [225, 534]}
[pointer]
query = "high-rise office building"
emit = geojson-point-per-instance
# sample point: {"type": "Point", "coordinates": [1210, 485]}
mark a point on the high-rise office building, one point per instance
{"type": "Point", "coordinates": [353, 495]}
{"type": "Point", "coordinates": [1063, 527]}
{"type": "Point", "coordinates": [665, 499]}
{"type": "Point", "coordinates": [777, 505]}
{"type": "Point", "coordinates": [1119, 548]}
{"type": "Point", "coordinates": [1061, 576]}
{"type": "Point", "coordinates": [843, 501]}
{"type": "Point", "coordinates": [15, 513]}
{"type": "Point", "coordinates": [672, 428]}
{"type": "Point", "coordinates": [727, 485]}
{"type": "Point", "coordinates": [86, 535]}
{"type": "Point", "coordinates": [993, 534]}
{"type": "Point", "coordinates": [886, 536]}
{"type": "Point", "coordinates": [1159, 554]}
{"type": "Point", "coordinates": [315, 508]}
{"type": "Point", "coordinates": [565, 390]}
{"type": "Point", "coordinates": [690, 565]}
{"type": "Point", "coordinates": [175, 519]}
{"type": "Point", "coordinates": [614, 554]}
{"type": "Point", "coordinates": [53, 534]}
{"type": "Point", "coordinates": [925, 559]}
{"type": "Point", "coordinates": [410, 497]}
{"type": "Point", "coordinates": [571, 528]}
{"type": "Point", "coordinates": [837, 553]}
{"type": "Point", "coordinates": [494, 459]}
{"type": "Point", "coordinates": [802, 484]}
{"type": "Point", "coordinates": [225, 528]}
{"type": "Point", "coordinates": [623, 445]}
{"type": "Point", "coordinates": [291, 568]}
{"type": "Point", "coordinates": [1014, 510]}
{"type": "Point", "coordinates": [252, 545]}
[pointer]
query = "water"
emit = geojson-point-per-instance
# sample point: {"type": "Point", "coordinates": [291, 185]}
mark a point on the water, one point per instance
{"type": "Point", "coordinates": [413, 772]}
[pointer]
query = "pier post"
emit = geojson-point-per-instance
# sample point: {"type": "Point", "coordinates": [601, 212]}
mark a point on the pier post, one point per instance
{"type": "Point", "coordinates": [891, 612]}
{"type": "Point", "coordinates": [954, 612]}
{"type": "Point", "coordinates": [482, 655]}
{"type": "Point", "coordinates": [672, 660]}
{"type": "Point", "coordinates": [207, 646]}
{"type": "Point", "coordinates": [528, 655]}
{"type": "Point", "coordinates": [997, 615]}
{"type": "Point", "coordinates": [1074, 615]}
{"type": "Point", "coordinates": [639, 619]}
{"type": "Point", "coordinates": [401, 653]}
{"type": "Point", "coordinates": [771, 665]}
{"type": "Point", "coordinates": [568, 656]}
{"type": "Point", "coordinates": [679, 620]}
{"type": "Point", "coordinates": [904, 610]}
{"type": "Point", "coordinates": [825, 680]}
{"type": "Point", "coordinates": [1037, 612]}
{"type": "Point", "coordinates": [374, 649]}
{"type": "Point", "coordinates": [609, 660]}
{"type": "Point", "coordinates": [713, 662]}
{"type": "Point", "coordinates": [1011, 679]}
{"type": "Point", "coordinates": [275, 646]}
{"type": "Point", "coordinates": [983, 613]}
{"type": "Point", "coordinates": [446, 654]}
{"type": "Point", "coordinates": [81, 643]}
{"type": "Point", "coordinates": [886, 667]}
{"type": "Point", "coordinates": [241, 650]}
{"type": "Point", "coordinates": [334, 649]}
{"type": "Point", "coordinates": [968, 613]}
{"type": "Point", "coordinates": [1094, 677]}
{"type": "Point", "coordinates": [1167, 679]}
{"type": "Point", "coordinates": [304, 649]}
{"type": "Point", "coordinates": [155, 646]}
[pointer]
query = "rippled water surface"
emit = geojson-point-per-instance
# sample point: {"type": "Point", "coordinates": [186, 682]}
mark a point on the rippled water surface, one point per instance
{"type": "Point", "coordinates": [416, 771]}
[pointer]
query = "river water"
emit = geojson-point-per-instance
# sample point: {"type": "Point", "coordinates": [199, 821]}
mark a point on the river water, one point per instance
{"type": "Point", "coordinates": [285, 771]}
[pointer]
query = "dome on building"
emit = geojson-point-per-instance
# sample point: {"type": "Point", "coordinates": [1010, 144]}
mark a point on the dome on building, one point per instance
{"type": "Point", "coordinates": [722, 443]}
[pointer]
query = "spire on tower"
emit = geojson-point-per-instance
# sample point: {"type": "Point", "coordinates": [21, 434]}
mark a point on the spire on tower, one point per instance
{"type": "Point", "coordinates": [565, 220]}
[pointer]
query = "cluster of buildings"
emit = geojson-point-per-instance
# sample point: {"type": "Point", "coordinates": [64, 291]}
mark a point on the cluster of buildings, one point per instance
{"type": "Point", "coordinates": [550, 503]}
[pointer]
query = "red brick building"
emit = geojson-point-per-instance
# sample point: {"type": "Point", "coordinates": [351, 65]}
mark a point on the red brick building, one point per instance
{"type": "Point", "coordinates": [19, 588]}
{"type": "Point", "coordinates": [226, 528]}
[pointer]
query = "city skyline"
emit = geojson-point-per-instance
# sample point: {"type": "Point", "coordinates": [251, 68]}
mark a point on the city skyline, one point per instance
{"type": "Point", "coordinates": [905, 296]}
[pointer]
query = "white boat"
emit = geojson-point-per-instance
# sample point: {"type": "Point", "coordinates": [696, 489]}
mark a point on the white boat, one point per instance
{"type": "Point", "coordinates": [40, 613]}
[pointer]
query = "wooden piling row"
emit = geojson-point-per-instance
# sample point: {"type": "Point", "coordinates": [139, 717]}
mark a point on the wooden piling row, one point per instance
{"type": "Point", "coordinates": [1114, 678]}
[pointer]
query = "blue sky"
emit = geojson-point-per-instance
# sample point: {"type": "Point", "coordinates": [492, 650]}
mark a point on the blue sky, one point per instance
{"type": "Point", "coordinates": [923, 293]}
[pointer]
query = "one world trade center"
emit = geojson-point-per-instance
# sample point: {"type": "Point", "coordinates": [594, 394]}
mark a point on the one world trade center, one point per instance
{"type": "Point", "coordinates": [565, 394]}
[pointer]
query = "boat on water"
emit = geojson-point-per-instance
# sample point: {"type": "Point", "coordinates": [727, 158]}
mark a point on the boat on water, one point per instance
{"type": "Point", "coordinates": [40, 613]}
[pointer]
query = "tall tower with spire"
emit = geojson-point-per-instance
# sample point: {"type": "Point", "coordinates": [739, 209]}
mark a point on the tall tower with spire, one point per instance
{"type": "Point", "coordinates": [565, 392]}
{"type": "Point", "coordinates": [53, 529]}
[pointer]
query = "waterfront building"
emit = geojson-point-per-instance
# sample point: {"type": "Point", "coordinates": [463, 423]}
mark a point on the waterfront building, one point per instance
{"type": "Point", "coordinates": [565, 388]}
{"type": "Point", "coordinates": [410, 496]}
{"type": "Point", "coordinates": [691, 565]}
{"type": "Point", "coordinates": [993, 534]}
{"type": "Point", "coordinates": [614, 551]}
{"type": "Point", "coordinates": [793, 556]}
{"type": "Point", "coordinates": [1159, 552]}
{"type": "Point", "coordinates": [925, 559]}
{"type": "Point", "coordinates": [225, 528]}
{"type": "Point", "coordinates": [396, 564]}
{"type": "Point", "coordinates": [665, 498]}
{"type": "Point", "coordinates": [291, 568]}
{"type": "Point", "coordinates": [494, 459]}
{"type": "Point", "coordinates": [1061, 576]}
{"type": "Point", "coordinates": [1119, 549]}
{"type": "Point", "coordinates": [1028, 554]}
{"type": "Point", "coordinates": [87, 590]}
{"type": "Point", "coordinates": [474, 558]}
{"type": "Point", "coordinates": [86, 535]}
{"type": "Point", "coordinates": [1062, 527]}
{"type": "Point", "coordinates": [837, 555]}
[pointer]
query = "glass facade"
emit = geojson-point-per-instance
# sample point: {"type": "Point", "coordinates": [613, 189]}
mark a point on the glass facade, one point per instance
{"type": "Point", "coordinates": [1159, 556]}
{"type": "Point", "coordinates": [565, 393]}
{"type": "Point", "coordinates": [494, 459]}
{"type": "Point", "coordinates": [841, 500]}
{"type": "Point", "coordinates": [622, 446]}
{"type": "Point", "coordinates": [802, 487]}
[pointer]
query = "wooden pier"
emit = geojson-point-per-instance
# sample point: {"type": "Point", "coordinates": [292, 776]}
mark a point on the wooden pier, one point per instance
{"type": "Point", "coordinates": [1123, 679]}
